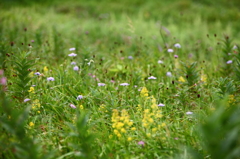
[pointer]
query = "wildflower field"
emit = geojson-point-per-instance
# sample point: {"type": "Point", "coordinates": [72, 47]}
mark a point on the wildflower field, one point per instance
{"type": "Point", "coordinates": [119, 79]}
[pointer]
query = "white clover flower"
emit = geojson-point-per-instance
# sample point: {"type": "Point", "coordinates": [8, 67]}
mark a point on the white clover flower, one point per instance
{"type": "Point", "coordinates": [79, 97]}
{"type": "Point", "coordinates": [124, 84]}
{"type": "Point", "coordinates": [177, 45]}
{"type": "Point", "coordinates": [229, 62]}
{"type": "Point", "coordinates": [152, 77]}
{"type": "Point", "coordinates": [130, 57]}
{"type": "Point", "coordinates": [73, 63]}
{"type": "Point", "coordinates": [169, 50]}
{"type": "Point", "coordinates": [37, 73]}
{"type": "Point", "coordinates": [72, 49]}
{"type": "Point", "coordinates": [189, 113]}
{"type": "Point", "coordinates": [160, 61]}
{"type": "Point", "coordinates": [72, 55]}
{"type": "Point", "coordinates": [50, 79]}
{"type": "Point", "coordinates": [75, 68]}
{"type": "Point", "coordinates": [169, 74]}
{"type": "Point", "coordinates": [26, 100]}
{"type": "Point", "coordinates": [101, 84]}
{"type": "Point", "coordinates": [161, 105]}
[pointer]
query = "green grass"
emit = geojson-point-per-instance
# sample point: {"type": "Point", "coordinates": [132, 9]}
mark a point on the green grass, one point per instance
{"type": "Point", "coordinates": [117, 43]}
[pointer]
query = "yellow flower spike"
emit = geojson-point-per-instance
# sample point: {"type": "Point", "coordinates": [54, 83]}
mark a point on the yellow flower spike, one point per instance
{"type": "Point", "coordinates": [163, 124]}
{"type": "Point", "coordinates": [203, 78]}
{"type": "Point", "coordinates": [129, 139]}
{"type": "Point", "coordinates": [154, 130]}
{"type": "Point", "coordinates": [45, 69]}
{"type": "Point", "coordinates": [119, 135]}
{"type": "Point", "coordinates": [39, 112]}
{"type": "Point", "coordinates": [81, 107]}
{"type": "Point", "coordinates": [130, 123]}
{"type": "Point", "coordinates": [31, 74]}
{"type": "Point", "coordinates": [115, 131]}
{"type": "Point", "coordinates": [144, 92]}
{"type": "Point", "coordinates": [181, 79]}
{"type": "Point", "coordinates": [110, 136]}
{"type": "Point", "coordinates": [31, 124]}
{"type": "Point", "coordinates": [133, 128]}
{"type": "Point", "coordinates": [123, 130]}
{"type": "Point", "coordinates": [148, 135]}
{"type": "Point", "coordinates": [31, 90]}
{"type": "Point", "coordinates": [150, 120]}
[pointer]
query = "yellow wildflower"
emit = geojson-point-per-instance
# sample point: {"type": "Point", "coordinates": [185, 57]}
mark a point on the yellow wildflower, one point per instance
{"type": "Point", "coordinates": [129, 139]}
{"type": "Point", "coordinates": [144, 92]}
{"type": "Point", "coordinates": [31, 90]}
{"type": "Point", "coordinates": [81, 107]}
{"type": "Point", "coordinates": [45, 69]}
{"type": "Point", "coordinates": [181, 79]}
{"type": "Point", "coordinates": [31, 124]}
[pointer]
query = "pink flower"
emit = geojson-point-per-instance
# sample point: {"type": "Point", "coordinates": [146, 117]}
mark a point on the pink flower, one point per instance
{"type": "Point", "coordinates": [72, 106]}
{"type": "Point", "coordinates": [3, 81]}
{"type": "Point", "coordinates": [141, 143]}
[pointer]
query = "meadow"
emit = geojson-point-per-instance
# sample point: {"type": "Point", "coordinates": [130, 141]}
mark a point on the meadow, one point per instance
{"type": "Point", "coordinates": [119, 79]}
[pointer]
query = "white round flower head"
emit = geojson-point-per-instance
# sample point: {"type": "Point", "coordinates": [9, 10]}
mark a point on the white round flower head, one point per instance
{"type": "Point", "coordinates": [73, 63]}
{"type": "Point", "coordinates": [160, 61]}
{"type": "Point", "coordinates": [177, 45]}
{"type": "Point", "coordinates": [50, 79]}
{"type": "Point", "coordinates": [101, 84]}
{"type": "Point", "coordinates": [189, 113]}
{"type": "Point", "coordinates": [169, 74]}
{"type": "Point", "coordinates": [161, 105]}
{"type": "Point", "coordinates": [130, 57]}
{"type": "Point", "coordinates": [26, 100]}
{"type": "Point", "coordinates": [79, 97]}
{"type": "Point", "coordinates": [152, 77]}
{"type": "Point", "coordinates": [229, 62]}
{"type": "Point", "coordinates": [72, 49]}
{"type": "Point", "coordinates": [37, 73]}
{"type": "Point", "coordinates": [124, 84]}
{"type": "Point", "coordinates": [235, 47]}
{"type": "Point", "coordinates": [72, 55]}
{"type": "Point", "coordinates": [75, 68]}
{"type": "Point", "coordinates": [170, 50]}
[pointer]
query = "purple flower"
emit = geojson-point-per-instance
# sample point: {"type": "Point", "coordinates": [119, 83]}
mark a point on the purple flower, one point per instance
{"type": "Point", "coordinates": [175, 56]}
{"type": "Point", "coordinates": [229, 62]}
{"type": "Point", "coordinates": [124, 84]}
{"type": "Point", "coordinates": [37, 73]}
{"type": "Point", "coordinates": [79, 97]}
{"type": "Point", "coordinates": [32, 41]}
{"type": "Point", "coordinates": [141, 143]}
{"type": "Point", "coordinates": [72, 55]}
{"type": "Point", "coordinates": [170, 50]}
{"type": "Point", "coordinates": [72, 106]}
{"type": "Point", "coordinates": [189, 113]}
{"type": "Point", "coordinates": [152, 77]}
{"type": "Point", "coordinates": [161, 105]}
{"type": "Point", "coordinates": [72, 49]}
{"type": "Point", "coordinates": [26, 100]}
{"type": "Point", "coordinates": [101, 84]}
{"type": "Point", "coordinates": [75, 68]}
{"type": "Point", "coordinates": [73, 63]}
{"type": "Point", "coordinates": [177, 45]}
{"type": "Point", "coordinates": [50, 79]}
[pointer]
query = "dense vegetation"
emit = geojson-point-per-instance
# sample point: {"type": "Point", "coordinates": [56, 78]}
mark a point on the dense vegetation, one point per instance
{"type": "Point", "coordinates": [119, 79]}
